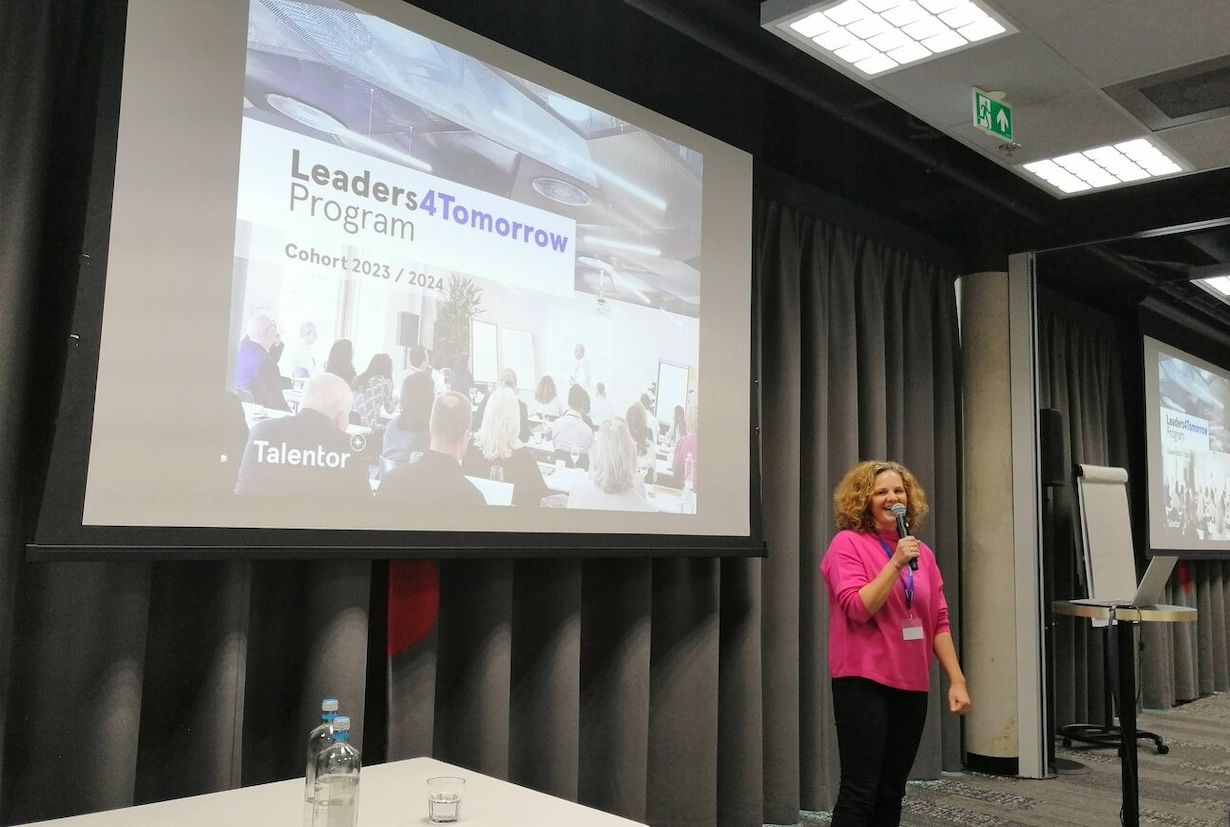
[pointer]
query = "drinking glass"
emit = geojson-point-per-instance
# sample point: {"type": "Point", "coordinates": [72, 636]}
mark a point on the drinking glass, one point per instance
{"type": "Point", "coordinates": [444, 798]}
{"type": "Point", "coordinates": [497, 473]}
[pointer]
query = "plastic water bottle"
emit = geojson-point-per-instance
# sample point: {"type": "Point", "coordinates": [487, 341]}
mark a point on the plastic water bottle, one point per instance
{"type": "Point", "coordinates": [336, 799]}
{"type": "Point", "coordinates": [689, 485]}
{"type": "Point", "coordinates": [318, 739]}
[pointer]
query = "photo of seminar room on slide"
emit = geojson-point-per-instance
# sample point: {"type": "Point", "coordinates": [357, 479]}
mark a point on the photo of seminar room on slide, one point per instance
{"type": "Point", "coordinates": [1195, 451]}
{"type": "Point", "coordinates": [453, 286]}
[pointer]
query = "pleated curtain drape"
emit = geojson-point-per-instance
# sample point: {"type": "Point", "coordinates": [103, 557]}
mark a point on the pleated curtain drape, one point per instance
{"type": "Point", "coordinates": [675, 691]}
{"type": "Point", "coordinates": [122, 683]}
{"type": "Point", "coordinates": [860, 362]}
{"type": "Point", "coordinates": [695, 691]}
{"type": "Point", "coordinates": [1081, 375]}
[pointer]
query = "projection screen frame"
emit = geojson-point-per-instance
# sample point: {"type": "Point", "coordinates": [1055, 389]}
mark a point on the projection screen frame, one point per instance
{"type": "Point", "coordinates": [60, 535]}
{"type": "Point", "coordinates": [1153, 342]}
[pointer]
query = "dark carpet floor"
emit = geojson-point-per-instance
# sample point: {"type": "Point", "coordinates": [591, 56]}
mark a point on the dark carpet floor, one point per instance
{"type": "Point", "coordinates": [1189, 787]}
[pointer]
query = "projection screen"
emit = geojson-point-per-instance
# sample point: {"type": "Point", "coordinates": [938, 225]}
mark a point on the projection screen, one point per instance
{"type": "Point", "coordinates": [1188, 438]}
{"type": "Point", "coordinates": [340, 236]}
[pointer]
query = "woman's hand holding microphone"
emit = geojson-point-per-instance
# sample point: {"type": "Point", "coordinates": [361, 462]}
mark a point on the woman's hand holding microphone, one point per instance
{"type": "Point", "coordinates": [907, 550]}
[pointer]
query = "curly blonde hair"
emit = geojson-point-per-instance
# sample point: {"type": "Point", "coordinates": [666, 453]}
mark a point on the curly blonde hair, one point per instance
{"type": "Point", "coordinates": [852, 498]}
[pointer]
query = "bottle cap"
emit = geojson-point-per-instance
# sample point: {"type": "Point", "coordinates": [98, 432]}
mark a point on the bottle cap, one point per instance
{"type": "Point", "coordinates": [341, 723]}
{"type": "Point", "coordinates": [328, 705]}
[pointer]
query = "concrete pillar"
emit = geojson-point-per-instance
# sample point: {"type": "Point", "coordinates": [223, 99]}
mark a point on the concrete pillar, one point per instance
{"type": "Point", "coordinates": [1001, 571]}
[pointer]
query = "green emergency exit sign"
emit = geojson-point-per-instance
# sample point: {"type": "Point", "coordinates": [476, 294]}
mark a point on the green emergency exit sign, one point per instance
{"type": "Point", "coordinates": [992, 115]}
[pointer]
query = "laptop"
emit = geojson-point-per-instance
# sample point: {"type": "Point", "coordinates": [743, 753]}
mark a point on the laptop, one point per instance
{"type": "Point", "coordinates": [1148, 593]}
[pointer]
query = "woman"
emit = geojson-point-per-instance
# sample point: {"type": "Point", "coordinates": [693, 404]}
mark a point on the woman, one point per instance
{"type": "Point", "coordinates": [679, 425]}
{"type": "Point", "coordinates": [341, 360]}
{"type": "Point", "coordinates": [612, 482]}
{"type": "Point", "coordinates": [885, 622]}
{"type": "Point", "coordinates": [373, 390]}
{"type": "Point", "coordinates": [687, 446]}
{"type": "Point", "coordinates": [498, 444]}
{"type": "Point", "coordinates": [407, 433]}
{"type": "Point", "coordinates": [547, 404]}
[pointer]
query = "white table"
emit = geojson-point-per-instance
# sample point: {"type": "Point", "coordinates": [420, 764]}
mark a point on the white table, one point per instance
{"type": "Point", "coordinates": [542, 447]}
{"type": "Point", "coordinates": [562, 479]}
{"type": "Point", "coordinates": [493, 491]}
{"type": "Point", "coordinates": [390, 795]}
{"type": "Point", "coordinates": [254, 414]}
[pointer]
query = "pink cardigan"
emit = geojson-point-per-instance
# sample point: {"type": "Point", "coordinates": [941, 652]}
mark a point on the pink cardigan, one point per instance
{"type": "Point", "coordinates": [871, 646]}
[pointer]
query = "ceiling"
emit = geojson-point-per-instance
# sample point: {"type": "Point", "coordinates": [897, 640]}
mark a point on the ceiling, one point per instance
{"type": "Point", "coordinates": [954, 183]}
{"type": "Point", "coordinates": [1057, 69]}
{"type": "Point", "coordinates": [906, 153]}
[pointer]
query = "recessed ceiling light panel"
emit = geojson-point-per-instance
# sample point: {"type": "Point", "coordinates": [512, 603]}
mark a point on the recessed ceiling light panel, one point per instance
{"type": "Point", "coordinates": [1105, 166]}
{"type": "Point", "coordinates": [1221, 284]}
{"type": "Point", "coordinates": [872, 37]}
{"type": "Point", "coordinates": [1215, 282]}
{"type": "Point", "coordinates": [814, 24]}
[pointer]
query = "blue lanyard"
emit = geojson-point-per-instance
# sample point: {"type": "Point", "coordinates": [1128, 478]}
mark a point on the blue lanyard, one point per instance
{"type": "Point", "coordinates": [909, 580]}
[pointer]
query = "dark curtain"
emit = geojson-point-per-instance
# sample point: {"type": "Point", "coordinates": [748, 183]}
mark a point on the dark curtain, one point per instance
{"type": "Point", "coordinates": [675, 691]}
{"type": "Point", "coordinates": [859, 362]}
{"type": "Point", "coordinates": [1080, 373]}
{"type": "Point", "coordinates": [694, 691]}
{"type": "Point", "coordinates": [122, 683]}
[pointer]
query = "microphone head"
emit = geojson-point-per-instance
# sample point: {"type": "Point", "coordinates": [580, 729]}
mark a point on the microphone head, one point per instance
{"type": "Point", "coordinates": [903, 529]}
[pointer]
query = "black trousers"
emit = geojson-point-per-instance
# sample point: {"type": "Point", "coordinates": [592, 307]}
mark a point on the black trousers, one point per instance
{"type": "Point", "coordinates": [878, 730]}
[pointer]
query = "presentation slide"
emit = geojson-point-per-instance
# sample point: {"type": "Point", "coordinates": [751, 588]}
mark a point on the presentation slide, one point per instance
{"type": "Point", "coordinates": [1188, 410]}
{"type": "Point", "coordinates": [370, 271]}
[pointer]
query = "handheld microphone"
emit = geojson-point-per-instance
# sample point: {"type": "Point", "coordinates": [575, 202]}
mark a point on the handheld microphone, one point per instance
{"type": "Point", "coordinates": [902, 529]}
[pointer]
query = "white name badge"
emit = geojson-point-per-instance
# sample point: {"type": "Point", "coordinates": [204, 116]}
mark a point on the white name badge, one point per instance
{"type": "Point", "coordinates": [912, 629]}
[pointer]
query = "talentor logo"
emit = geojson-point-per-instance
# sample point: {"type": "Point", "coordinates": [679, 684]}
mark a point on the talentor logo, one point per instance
{"type": "Point", "coordinates": [280, 454]}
